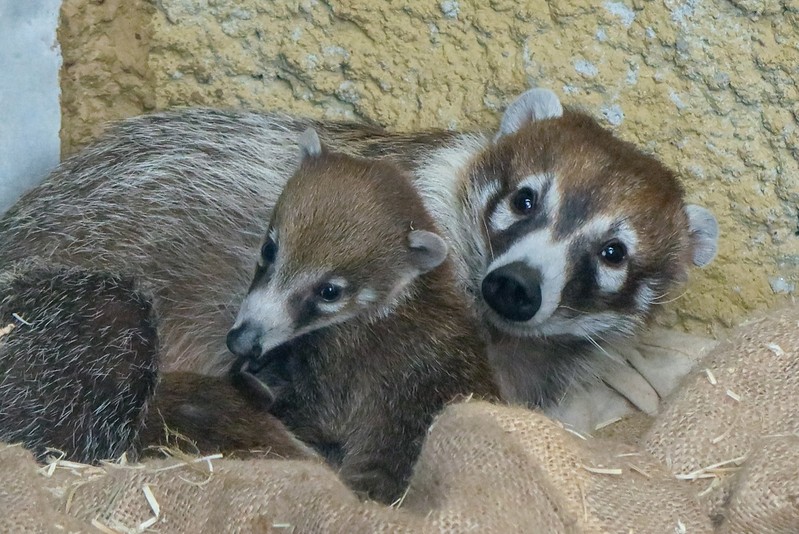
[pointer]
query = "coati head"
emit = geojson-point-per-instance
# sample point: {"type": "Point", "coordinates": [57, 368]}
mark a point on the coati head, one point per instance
{"type": "Point", "coordinates": [347, 238]}
{"type": "Point", "coordinates": [583, 233]}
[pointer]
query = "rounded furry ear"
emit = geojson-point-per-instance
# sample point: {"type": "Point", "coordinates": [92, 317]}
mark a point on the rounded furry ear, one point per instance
{"type": "Point", "coordinates": [428, 250]}
{"type": "Point", "coordinates": [310, 145]}
{"type": "Point", "coordinates": [704, 232]}
{"type": "Point", "coordinates": [532, 105]}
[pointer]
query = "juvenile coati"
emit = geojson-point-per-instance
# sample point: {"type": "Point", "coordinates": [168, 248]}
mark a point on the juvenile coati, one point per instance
{"type": "Point", "coordinates": [561, 235]}
{"type": "Point", "coordinates": [78, 361]}
{"type": "Point", "coordinates": [354, 316]}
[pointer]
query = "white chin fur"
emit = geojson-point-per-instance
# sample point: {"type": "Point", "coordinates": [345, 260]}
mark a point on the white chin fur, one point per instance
{"type": "Point", "coordinates": [600, 326]}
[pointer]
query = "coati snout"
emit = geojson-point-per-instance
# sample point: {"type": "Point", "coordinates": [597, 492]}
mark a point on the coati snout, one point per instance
{"type": "Point", "coordinates": [513, 291]}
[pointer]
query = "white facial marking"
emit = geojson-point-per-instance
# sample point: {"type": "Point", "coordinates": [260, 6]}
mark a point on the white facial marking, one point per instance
{"type": "Point", "coordinates": [536, 182]}
{"type": "Point", "coordinates": [611, 278]}
{"type": "Point", "coordinates": [366, 296]}
{"type": "Point", "coordinates": [266, 310]}
{"type": "Point", "coordinates": [485, 193]}
{"type": "Point", "coordinates": [540, 251]}
{"type": "Point", "coordinates": [644, 297]}
{"type": "Point", "coordinates": [586, 325]}
{"type": "Point", "coordinates": [504, 217]}
{"type": "Point", "coordinates": [552, 201]}
{"type": "Point", "coordinates": [338, 281]}
{"type": "Point", "coordinates": [331, 307]}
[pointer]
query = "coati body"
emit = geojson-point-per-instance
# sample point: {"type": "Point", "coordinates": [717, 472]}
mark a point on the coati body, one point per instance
{"type": "Point", "coordinates": [80, 363]}
{"type": "Point", "coordinates": [179, 197]}
{"type": "Point", "coordinates": [207, 414]}
{"type": "Point", "coordinates": [355, 320]}
{"type": "Point", "coordinates": [78, 373]}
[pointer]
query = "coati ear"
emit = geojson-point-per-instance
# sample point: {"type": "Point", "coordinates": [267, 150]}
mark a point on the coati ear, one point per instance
{"type": "Point", "coordinates": [428, 250]}
{"type": "Point", "coordinates": [532, 105]}
{"type": "Point", "coordinates": [310, 145]}
{"type": "Point", "coordinates": [704, 232]}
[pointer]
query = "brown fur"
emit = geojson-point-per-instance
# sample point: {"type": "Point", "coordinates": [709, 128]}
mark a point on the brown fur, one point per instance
{"type": "Point", "coordinates": [596, 174]}
{"type": "Point", "coordinates": [369, 234]}
{"type": "Point", "coordinates": [78, 377]}
{"type": "Point", "coordinates": [363, 392]}
{"type": "Point", "coordinates": [215, 417]}
{"type": "Point", "coordinates": [178, 199]}
{"type": "Point", "coordinates": [619, 178]}
{"type": "Point", "coordinates": [611, 177]}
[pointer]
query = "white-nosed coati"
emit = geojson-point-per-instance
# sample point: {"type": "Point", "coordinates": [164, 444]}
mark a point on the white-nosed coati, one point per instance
{"type": "Point", "coordinates": [356, 320]}
{"type": "Point", "coordinates": [78, 373]}
{"type": "Point", "coordinates": [80, 363]}
{"type": "Point", "coordinates": [562, 236]}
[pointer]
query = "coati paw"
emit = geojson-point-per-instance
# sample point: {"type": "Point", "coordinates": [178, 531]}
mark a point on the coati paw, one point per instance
{"type": "Point", "coordinates": [243, 378]}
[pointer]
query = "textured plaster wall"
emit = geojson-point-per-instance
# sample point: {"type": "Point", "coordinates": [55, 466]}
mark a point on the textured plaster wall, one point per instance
{"type": "Point", "coordinates": [710, 86]}
{"type": "Point", "coordinates": [29, 91]}
{"type": "Point", "coordinates": [105, 74]}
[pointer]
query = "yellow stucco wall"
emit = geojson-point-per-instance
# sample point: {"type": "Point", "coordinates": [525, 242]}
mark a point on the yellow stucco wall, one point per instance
{"type": "Point", "coordinates": [710, 86]}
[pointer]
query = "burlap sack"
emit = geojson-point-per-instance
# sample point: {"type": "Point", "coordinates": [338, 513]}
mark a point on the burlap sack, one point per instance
{"type": "Point", "coordinates": [713, 461]}
{"type": "Point", "coordinates": [740, 407]}
{"type": "Point", "coordinates": [483, 467]}
{"type": "Point", "coordinates": [29, 500]}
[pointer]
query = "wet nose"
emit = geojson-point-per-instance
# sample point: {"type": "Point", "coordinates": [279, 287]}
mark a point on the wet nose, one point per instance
{"type": "Point", "coordinates": [513, 291]}
{"type": "Point", "coordinates": [244, 341]}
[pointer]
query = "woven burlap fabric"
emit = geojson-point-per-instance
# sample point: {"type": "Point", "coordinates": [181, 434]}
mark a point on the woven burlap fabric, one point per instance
{"type": "Point", "coordinates": [764, 494]}
{"type": "Point", "coordinates": [508, 469]}
{"type": "Point", "coordinates": [483, 467]}
{"type": "Point", "coordinates": [486, 468]}
{"type": "Point", "coordinates": [749, 413]}
{"type": "Point", "coordinates": [29, 500]}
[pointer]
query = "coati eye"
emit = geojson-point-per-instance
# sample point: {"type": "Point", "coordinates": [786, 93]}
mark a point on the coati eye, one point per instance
{"type": "Point", "coordinates": [613, 253]}
{"type": "Point", "coordinates": [329, 292]}
{"type": "Point", "coordinates": [524, 201]}
{"type": "Point", "coordinates": [269, 250]}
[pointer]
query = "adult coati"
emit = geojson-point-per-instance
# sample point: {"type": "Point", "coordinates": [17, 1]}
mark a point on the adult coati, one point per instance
{"type": "Point", "coordinates": [79, 374]}
{"type": "Point", "coordinates": [563, 237]}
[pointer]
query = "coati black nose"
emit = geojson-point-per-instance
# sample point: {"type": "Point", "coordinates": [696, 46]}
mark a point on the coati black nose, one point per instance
{"type": "Point", "coordinates": [244, 341]}
{"type": "Point", "coordinates": [513, 291]}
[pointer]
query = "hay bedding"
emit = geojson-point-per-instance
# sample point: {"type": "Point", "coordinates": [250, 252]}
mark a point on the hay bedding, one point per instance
{"type": "Point", "coordinates": [709, 462]}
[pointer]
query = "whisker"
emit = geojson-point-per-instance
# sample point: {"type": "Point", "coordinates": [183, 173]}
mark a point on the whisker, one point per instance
{"type": "Point", "coordinates": [657, 300]}
{"type": "Point", "coordinates": [597, 345]}
{"type": "Point", "coordinates": [564, 307]}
